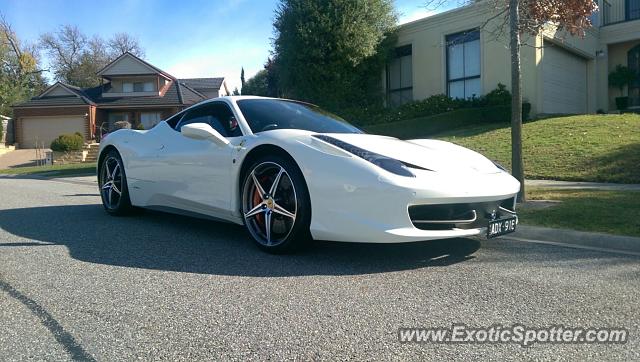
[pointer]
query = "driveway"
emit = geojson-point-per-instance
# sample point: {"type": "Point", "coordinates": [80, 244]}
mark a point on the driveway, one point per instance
{"type": "Point", "coordinates": [18, 158]}
{"type": "Point", "coordinates": [78, 284]}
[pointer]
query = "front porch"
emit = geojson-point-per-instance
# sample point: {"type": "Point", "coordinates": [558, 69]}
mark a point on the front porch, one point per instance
{"type": "Point", "coordinates": [625, 54]}
{"type": "Point", "coordinates": [139, 118]}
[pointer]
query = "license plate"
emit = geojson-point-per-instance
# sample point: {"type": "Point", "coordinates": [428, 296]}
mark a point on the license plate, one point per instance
{"type": "Point", "coordinates": [501, 227]}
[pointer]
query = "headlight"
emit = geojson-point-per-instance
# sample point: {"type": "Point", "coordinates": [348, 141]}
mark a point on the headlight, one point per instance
{"type": "Point", "coordinates": [386, 163]}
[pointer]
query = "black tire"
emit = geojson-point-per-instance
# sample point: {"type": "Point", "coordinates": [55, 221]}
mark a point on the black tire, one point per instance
{"type": "Point", "coordinates": [285, 233]}
{"type": "Point", "coordinates": [113, 188]}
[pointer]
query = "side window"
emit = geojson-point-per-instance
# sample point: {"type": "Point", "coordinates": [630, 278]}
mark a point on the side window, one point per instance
{"type": "Point", "coordinates": [218, 115]}
{"type": "Point", "coordinates": [228, 122]}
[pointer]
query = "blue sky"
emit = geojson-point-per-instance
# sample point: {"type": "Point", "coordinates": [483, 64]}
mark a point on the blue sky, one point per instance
{"type": "Point", "coordinates": [187, 38]}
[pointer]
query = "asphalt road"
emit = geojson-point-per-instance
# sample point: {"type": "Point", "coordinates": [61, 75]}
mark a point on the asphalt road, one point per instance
{"type": "Point", "coordinates": [78, 284]}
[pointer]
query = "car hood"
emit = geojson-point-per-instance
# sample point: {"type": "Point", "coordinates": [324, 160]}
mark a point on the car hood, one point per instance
{"type": "Point", "coordinates": [434, 155]}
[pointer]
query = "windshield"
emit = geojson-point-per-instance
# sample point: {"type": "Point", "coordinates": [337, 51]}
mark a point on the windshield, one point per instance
{"type": "Point", "coordinates": [268, 114]}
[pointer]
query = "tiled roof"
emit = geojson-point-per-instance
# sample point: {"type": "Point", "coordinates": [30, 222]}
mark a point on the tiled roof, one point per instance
{"type": "Point", "coordinates": [203, 83]}
{"type": "Point", "coordinates": [177, 95]}
{"type": "Point", "coordinates": [53, 101]}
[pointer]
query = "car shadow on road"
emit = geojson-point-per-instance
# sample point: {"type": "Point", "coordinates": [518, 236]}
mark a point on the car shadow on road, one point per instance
{"type": "Point", "coordinates": [154, 240]}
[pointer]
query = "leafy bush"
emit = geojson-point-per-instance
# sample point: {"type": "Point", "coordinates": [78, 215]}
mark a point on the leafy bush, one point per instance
{"type": "Point", "coordinates": [433, 105]}
{"type": "Point", "coordinates": [68, 142]}
{"type": "Point", "coordinates": [426, 126]}
{"type": "Point", "coordinates": [621, 77]}
{"type": "Point", "coordinates": [256, 85]}
{"type": "Point", "coordinates": [526, 111]}
{"type": "Point", "coordinates": [499, 96]}
{"type": "Point", "coordinates": [120, 125]}
{"type": "Point", "coordinates": [1, 129]}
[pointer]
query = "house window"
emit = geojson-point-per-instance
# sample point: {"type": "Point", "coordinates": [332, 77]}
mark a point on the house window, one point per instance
{"type": "Point", "coordinates": [400, 77]}
{"type": "Point", "coordinates": [633, 9]}
{"type": "Point", "coordinates": [149, 119]}
{"type": "Point", "coordinates": [113, 118]}
{"type": "Point", "coordinates": [463, 64]}
{"type": "Point", "coordinates": [129, 87]}
{"type": "Point", "coordinates": [117, 117]}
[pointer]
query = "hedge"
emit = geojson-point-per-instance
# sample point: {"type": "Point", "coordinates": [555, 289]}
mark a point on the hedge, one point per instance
{"type": "Point", "coordinates": [425, 126]}
{"type": "Point", "coordinates": [433, 105]}
{"type": "Point", "coordinates": [68, 142]}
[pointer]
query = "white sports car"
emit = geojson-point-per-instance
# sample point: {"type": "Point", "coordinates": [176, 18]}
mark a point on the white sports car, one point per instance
{"type": "Point", "coordinates": [290, 171]}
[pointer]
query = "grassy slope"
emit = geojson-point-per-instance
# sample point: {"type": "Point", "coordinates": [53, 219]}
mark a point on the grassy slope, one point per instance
{"type": "Point", "coordinates": [587, 210]}
{"type": "Point", "coordinates": [54, 171]}
{"type": "Point", "coordinates": [603, 148]}
{"type": "Point", "coordinates": [413, 128]}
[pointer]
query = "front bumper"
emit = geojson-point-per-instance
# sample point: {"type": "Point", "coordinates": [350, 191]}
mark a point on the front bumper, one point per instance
{"type": "Point", "coordinates": [380, 213]}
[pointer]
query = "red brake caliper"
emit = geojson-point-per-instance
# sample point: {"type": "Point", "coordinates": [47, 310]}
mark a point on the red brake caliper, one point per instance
{"type": "Point", "coordinates": [257, 198]}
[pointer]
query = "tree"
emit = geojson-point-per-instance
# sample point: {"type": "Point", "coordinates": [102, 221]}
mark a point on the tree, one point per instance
{"type": "Point", "coordinates": [621, 77]}
{"type": "Point", "coordinates": [242, 77]}
{"type": "Point", "coordinates": [20, 72]}
{"type": "Point", "coordinates": [273, 85]}
{"type": "Point", "coordinates": [236, 92]}
{"type": "Point", "coordinates": [121, 43]}
{"type": "Point", "coordinates": [256, 85]}
{"type": "Point", "coordinates": [530, 17]}
{"type": "Point", "coordinates": [332, 52]}
{"type": "Point", "coordinates": [75, 59]}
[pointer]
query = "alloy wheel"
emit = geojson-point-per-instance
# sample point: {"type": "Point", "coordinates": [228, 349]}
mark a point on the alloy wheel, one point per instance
{"type": "Point", "coordinates": [269, 203]}
{"type": "Point", "coordinates": [111, 181]}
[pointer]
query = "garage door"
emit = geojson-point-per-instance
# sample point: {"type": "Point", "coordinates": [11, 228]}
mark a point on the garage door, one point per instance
{"type": "Point", "coordinates": [46, 129]}
{"type": "Point", "coordinates": [564, 81]}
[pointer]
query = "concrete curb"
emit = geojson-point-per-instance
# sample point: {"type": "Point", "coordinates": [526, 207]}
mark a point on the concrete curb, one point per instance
{"type": "Point", "coordinates": [579, 185]}
{"type": "Point", "coordinates": [88, 179]}
{"type": "Point", "coordinates": [581, 239]}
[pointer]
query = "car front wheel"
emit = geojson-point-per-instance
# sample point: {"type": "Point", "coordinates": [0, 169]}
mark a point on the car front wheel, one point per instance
{"type": "Point", "coordinates": [275, 205]}
{"type": "Point", "coordinates": [113, 185]}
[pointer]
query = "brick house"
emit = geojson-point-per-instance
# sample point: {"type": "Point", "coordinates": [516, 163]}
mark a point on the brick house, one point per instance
{"type": "Point", "coordinates": [131, 90]}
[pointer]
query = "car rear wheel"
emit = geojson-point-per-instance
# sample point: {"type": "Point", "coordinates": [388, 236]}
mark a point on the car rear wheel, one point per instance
{"type": "Point", "coordinates": [113, 185]}
{"type": "Point", "coordinates": [275, 205]}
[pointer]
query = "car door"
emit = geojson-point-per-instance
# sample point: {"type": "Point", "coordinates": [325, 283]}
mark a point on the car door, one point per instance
{"type": "Point", "coordinates": [194, 175]}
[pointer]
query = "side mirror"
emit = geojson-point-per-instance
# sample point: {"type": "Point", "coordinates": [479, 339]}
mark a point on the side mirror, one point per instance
{"type": "Point", "coordinates": [203, 131]}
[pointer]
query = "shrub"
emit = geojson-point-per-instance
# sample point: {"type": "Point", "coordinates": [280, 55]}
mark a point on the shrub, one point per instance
{"type": "Point", "coordinates": [140, 127]}
{"type": "Point", "coordinates": [498, 97]}
{"type": "Point", "coordinates": [426, 126]}
{"type": "Point", "coordinates": [1, 129]}
{"type": "Point", "coordinates": [435, 104]}
{"type": "Point", "coordinates": [498, 100]}
{"type": "Point", "coordinates": [120, 125]}
{"type": "Point", "coordinates": [622, 103]}
{"type": "Point", "coordinates": [621, 77]}
{"type": "Point", "coordinates": [68, 142]}
{"type": "Point", "coordinates": [526, 111]}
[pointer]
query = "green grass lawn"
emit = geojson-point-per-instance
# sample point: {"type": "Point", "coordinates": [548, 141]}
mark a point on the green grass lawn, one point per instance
{"type": "Point", "coordinates": [601, 148]}
{"type": "Point", "coordinates": [611, 212]}
{"type": "Point", "coordinates": [54, 171]}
